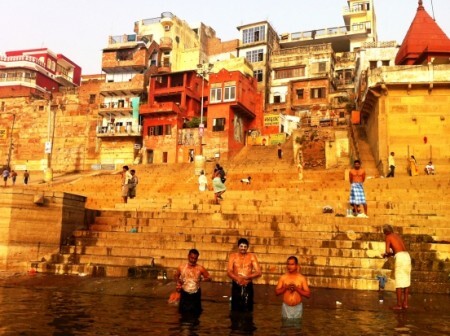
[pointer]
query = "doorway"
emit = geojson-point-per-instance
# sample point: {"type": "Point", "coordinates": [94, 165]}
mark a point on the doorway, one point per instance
{"type": "Point", "coordinates": [150, 156]}
{"type": "Point", "coordinates": [165, 157]}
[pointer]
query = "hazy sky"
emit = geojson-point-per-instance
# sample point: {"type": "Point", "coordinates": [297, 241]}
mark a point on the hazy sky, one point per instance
{"type": "Point", "coordinates": [79, 29]}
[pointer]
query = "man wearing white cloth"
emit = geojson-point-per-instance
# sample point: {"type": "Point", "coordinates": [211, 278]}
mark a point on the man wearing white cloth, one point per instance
{"type": "Point", "coordinates": [293, 286]}
{"type": "Point", "coordinates": [396, 247]}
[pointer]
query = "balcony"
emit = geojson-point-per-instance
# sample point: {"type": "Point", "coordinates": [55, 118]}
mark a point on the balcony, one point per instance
{"type": "Point", "coordinates": [362, 8]}
{"type": "Point", "coordinates": [124, 59]}
{"type": "Point", "coordinates": [132, 129]}
{"type": "Point", "coordinates": [165, 43]}
{"type": "Point", "coordinates": [332, 35]}
{"type": "Point", "coordinates": [116, 106]}
{"type": "Point", "coordinates": [161, 108]}
{"type": "Point", "coordinates": [132, 87]}
{"type": "Point", "coordinates": [164, 68]}
{"type": "Point", "coordinates": [166, 19]}
{"type": "Point", "coordinates": [63, 78]}
{"type": "Point", "coordinates": [21, 60]}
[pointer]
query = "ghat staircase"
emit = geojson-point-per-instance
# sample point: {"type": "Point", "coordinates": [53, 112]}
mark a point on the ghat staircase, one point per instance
{"type": "Point", "coordinates": [278, 213]}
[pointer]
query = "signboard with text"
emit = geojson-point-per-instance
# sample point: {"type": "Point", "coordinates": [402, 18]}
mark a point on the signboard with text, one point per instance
{"type": "Point", "coordinates": [3, 133]}
{"type": "Point", "coordinates": [271, 120]}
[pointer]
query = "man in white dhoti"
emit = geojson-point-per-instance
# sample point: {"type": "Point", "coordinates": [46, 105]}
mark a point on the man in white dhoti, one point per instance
{"type": "Point", "coordinates": [396, 247]}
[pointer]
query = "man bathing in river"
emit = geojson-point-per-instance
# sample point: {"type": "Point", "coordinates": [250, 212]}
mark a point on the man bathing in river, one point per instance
{"type": "Point", "coordinates": [243, 267]}
{"type": "Point", "coordinates": [293, 286]}
{"type": "Point", "coordinates": [188, 277]}
{"type": "Point", "coordinates": [396, 247]}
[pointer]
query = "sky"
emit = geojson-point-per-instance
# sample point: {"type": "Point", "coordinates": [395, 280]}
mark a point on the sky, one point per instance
{"type": "Point", "coordinates": [79, 29]}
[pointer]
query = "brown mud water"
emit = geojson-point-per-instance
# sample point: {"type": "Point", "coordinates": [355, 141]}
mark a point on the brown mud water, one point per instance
{"type": "Point", "coordinates": [70, 305]}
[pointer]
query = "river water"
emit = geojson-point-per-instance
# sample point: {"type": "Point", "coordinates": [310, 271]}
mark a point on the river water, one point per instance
{"type": "Point", "coordinates": [125, 307]}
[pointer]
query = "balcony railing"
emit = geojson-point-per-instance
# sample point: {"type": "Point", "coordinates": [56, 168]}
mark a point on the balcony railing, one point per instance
{"type": "Point", "coordinates": [326, 33]}
{"type": "Point", "coordinates": [22, 59]}
{"type": "Point", "coordinates": [134, 85]}
{"type": "Point", "coordinates": [17, 79]}
{"type": "Point", "coordinates": [130, 129]}
{"type": "Point", "coordinates": [116, 105]}
{"type": "Point", "coordinates": [325, 47]}
{"type": "Point", "coordinates": [164, 107]}
{"type": "Point", "coordinates": [351, 10]}
{"type": "Point", "coordinates": [165, 43]}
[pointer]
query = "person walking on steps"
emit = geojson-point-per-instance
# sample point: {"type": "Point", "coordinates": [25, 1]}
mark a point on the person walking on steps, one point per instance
{"type": "Point", "coordinates": [26, 177]}
{"type": "Point", "coordinates": [357, 176]}
{"type": "Point", "coordinates": [391, 164]}
{"type": "Point", "coordinates": [280, 151]}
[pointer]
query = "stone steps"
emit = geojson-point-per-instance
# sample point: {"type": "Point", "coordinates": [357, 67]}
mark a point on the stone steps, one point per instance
{"type": "Point", "coordinates": [280, 216]}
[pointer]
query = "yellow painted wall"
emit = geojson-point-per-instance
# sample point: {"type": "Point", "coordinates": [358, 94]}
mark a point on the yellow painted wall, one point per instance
{"type": "Point", "coordinates": [401, 121]}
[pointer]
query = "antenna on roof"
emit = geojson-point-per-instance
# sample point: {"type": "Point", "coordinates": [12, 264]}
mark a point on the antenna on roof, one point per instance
{"type": "Point", "coordinates": [432, 9]}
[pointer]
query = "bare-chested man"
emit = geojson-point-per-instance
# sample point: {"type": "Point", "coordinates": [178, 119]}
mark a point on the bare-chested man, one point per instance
{"type": "Point", "coordinates": [396, 247]}
{"type": "Point", "coordinates": [243, 267]}
{"type": "Point", "coordinates": [293, 286]}
{"type": "Point", "coordinates": [188, 277]}
{"type": "Point", "coordinates": [357, 176]}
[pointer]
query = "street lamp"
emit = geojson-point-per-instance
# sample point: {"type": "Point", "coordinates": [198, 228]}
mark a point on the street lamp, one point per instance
{"type": "Point", "coordinates": [203, 69]}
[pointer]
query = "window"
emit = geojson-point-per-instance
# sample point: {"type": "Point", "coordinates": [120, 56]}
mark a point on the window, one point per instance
{"type": "Point", "coordinates": [258, 74]}
{"type": "Point", "coordinates": [124, 55]}
{"type": "Point", "coordinates": [167, 129]}
{"type": "Point", "coordinates": [230, 93]}
{"type": "Point", "coordinates": [92, 99]}
{"type": "Point", "coordinates": [156, 130]}
{"type": "Point", "coordinates": [385, 63]}
{"type": "Point", "coordinates": [360, 6]}
{"type": "Point", "coordinates": [322, 66]}
{"type": "Point", "coordinates": [290, 73]}
{"type": "Point", "coordinates": [317, 93]}
{"type": "Point", "coordinates": [255, 55]}
{"type": "Point", "coordinates": [218, 124]}
{"type": "Point", "coordinates": [373, 64]}
{"type": "Point", "coordinates": [300, 93]}
{"type": "Point", "coordinates": [277, 99]}
{"type": "Point", "coordinates": [254, 34]}
{"type": "Point", "coordinates": [216, 95]}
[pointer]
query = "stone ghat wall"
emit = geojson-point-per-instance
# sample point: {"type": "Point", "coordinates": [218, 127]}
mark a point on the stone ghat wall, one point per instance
{"type": "Point", "coordinates": [34, 224]}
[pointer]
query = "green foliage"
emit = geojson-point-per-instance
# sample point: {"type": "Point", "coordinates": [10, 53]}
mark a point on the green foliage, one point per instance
{"type": "Point", "coordinates": [193, 123]}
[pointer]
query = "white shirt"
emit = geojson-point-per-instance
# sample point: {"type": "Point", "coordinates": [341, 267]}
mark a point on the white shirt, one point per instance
{"type": "Point", "coordinates": [202, 182]}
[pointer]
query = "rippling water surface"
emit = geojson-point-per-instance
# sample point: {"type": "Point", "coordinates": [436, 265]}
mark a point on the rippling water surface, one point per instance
{"type": "Point", "coordinates": [49, 311]}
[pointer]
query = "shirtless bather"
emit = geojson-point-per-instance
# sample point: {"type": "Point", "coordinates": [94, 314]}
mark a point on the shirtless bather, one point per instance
{"type": "Point", "coordinates": [243, 267]}
{"type": "Point", "coordinates": [293, 286]}
{"type": "Point", "coordinates": [188, 277]}
{"type": "Point", "coordinates": [396, 247]}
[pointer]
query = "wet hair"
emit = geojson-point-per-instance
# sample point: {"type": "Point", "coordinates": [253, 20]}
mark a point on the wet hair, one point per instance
{"type": "Point", "coordinates": [392, 153]}
{"type": "Point", "coordinates": [243, 241]}
{"type": "Point", "coordinates": [194, 251]}
{"type": "Point", "coordinates": [132, 171]}
{"type": "Point", "coordinates": [125, 167]}
{"type": "Point", "coordinates": [356, 161]}
{"type": "Point", "coordinates": [293, 258]}
{"type": "Point", "coordinates": [387, 229]}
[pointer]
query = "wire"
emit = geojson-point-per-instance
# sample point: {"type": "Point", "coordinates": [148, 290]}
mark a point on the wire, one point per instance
{"type": "Point", "coordinates": [432, 9]}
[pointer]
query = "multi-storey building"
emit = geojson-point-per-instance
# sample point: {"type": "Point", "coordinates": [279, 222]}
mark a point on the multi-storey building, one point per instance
{"type": "Point", "coordinates": [36, 73]}
{"type": "Point", "coordinates": [257, 42]}
{"type": "Point", "coordinates": [231, 106]}
{"type": "Point", "coordinates": [234, 109]}
{"type": "Point", "coordinates": [313, 72]}
{"type": "Point", "coordinates": [127, 63]}
{"type": "Point", "coordinates": [174, 99]}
